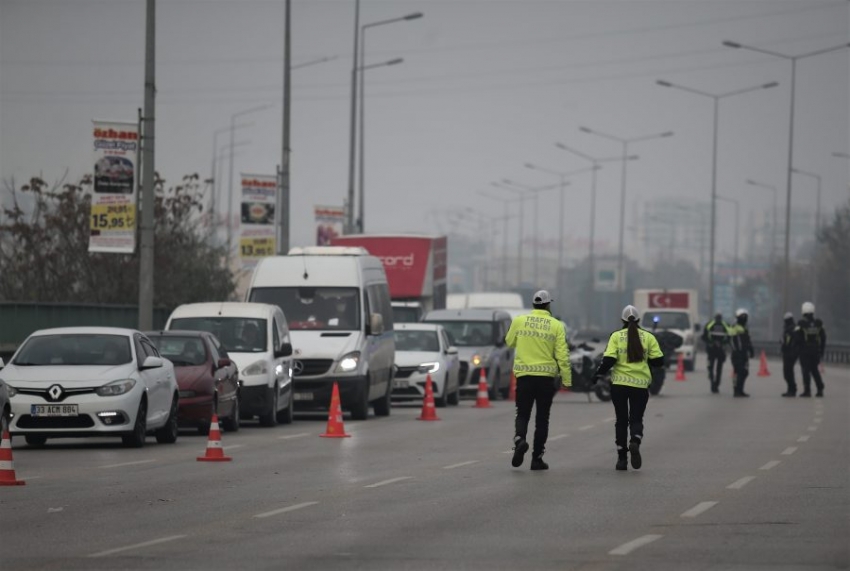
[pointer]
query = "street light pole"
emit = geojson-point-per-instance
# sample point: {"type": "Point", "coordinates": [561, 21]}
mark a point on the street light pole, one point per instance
{"type": "Point", "coordinates": [536, 193]}
{"type": "Point", "coordinates": [817, 177]}
{"type": "Point", "coordinates": [506, 218]}
{"type": "Point", "coordinates": [522, 195]}
{"type": "Point", "coordinates": [624, 158]}
{"type": "Point", "coordinates": [147, 228]}
{"type": "Point", "coordinates": [735, 262]}
{"type": "Point", "coordinates": [716, 97]}
{"type": "Point", "coordinates": [282, 210]}
{"type": "Point", "coordinates": [793, 60]}
{"type": "Point", "coordinates": [230, 175]}
{"type": "Point", "coordinates": [773, 225]}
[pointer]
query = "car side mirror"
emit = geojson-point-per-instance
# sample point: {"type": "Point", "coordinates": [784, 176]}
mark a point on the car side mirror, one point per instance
{"type": "Point", "coordinates": [376, 324]}
{"type": "Point", "coordinates": [151, 362]}
{"type": "Point", "coordinates": [452, 350]}
{"type": "Point", "coordinates": [284, 351]}
{"type": "Point", "coordinates": [222, 363]}
{"type": "Point", "coordinates": [500, 342]}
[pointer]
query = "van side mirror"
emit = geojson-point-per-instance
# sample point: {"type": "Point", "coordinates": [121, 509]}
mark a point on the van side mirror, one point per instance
{"type": "Point", "coordinates": [285, 350]}
{"type": "Point", "coordinates": [151, 362]}
{"type": "Point", "coordinates": [451, 350]}
{"type": "Point", "coordinates": [376, 324]}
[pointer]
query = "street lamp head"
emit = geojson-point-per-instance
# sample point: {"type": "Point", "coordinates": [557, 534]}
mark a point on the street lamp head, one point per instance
{"type": "Point", "coordinates": [414, 16]}
{"type": "Point", "coordinates": [395, 61]}
{"type": "Point", "coordinates": [752, 182]}
{"type": "Point", "coordinates": [769, 85]}
{"type": "Point", "coordinates": [666, 134]}
{"type": "Point", "coordinates": [633, 157]}
{"type": "Point", "coordinates": [530, 166]}
{"type": "Point", "coordinates": [729, 44]}
{"type": "Point", "coordinates": [663, 83]}
{"type": "Point", "coordinates": [585, 130]}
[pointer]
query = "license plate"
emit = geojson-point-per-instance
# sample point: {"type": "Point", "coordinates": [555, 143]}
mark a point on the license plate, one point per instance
{"type": "Point", "coordinates": [303, 396]}
{"type": "Point", "coordinates": [403, 384]}
{"type": "Point", "coordinates": [54, 410]}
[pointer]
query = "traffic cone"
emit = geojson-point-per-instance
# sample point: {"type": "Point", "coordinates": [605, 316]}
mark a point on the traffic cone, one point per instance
{"type": "Point", "coordinates": [7, 465]}
{"type": "Point", "coordinates": [214, 453]}
{"type": "Point", "coordinates": [680, 368]}
{"type": "Point", "coordinates": [482, 400]}
{"type": "Point", "coordinates": [428, 410]}
{"type": "Point", "coordinates": [335, 427]}
{"type": "Point", "coordinates": [763, 372]}
{"type": "Point", "coordinates": [512, 389]}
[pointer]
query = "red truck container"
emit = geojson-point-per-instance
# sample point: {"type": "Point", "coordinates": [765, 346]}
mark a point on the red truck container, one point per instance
{"type": "Point", "coordinates": [416, 269]}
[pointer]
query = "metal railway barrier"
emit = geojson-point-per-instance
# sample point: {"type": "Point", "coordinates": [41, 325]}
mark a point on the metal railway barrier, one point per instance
{"type": "Point", "coordinates": [835, 353]}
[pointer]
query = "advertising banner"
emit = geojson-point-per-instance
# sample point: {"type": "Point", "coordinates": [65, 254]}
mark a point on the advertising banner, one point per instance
{"type": "Point", "coordinates": [257, 221]}
{"type": "Point", "coordinates": [112, 222]}
{"type": "Point", "coordinates": [330, 221]}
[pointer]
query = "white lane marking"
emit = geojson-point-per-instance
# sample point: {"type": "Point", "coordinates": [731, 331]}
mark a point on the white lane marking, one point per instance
{"type": "Point", "coordinates": [390, 481]}
{"type": "Point", "coordinates": [770, 465]}
{"type": "Point", "coordinates": [609, 419]}
{"type": "Point", "coordinates": [459, 464]}
{"type": "Point", "coordinates": [812, 428]}
{"type": "Point", "coordinates": [558, 437]}
{"type": "Point", "coordinates": [738, 484]}
{"type": "Point", "coordinates": [286, 509]}
{"type": "Point", "coordinates": [698, 509]}
{"type": "Point", "coordinates": [803, 438]}
{"type": "Point", "coordinates": [790, 450]}
{"type": "Point", "coordinates": [818, 420]}
{"type": "Point", "coordinates": [587, 427]}
{"type": "Point", "coordinates": [508, 452]}
{"type": "Point", "coordinates": [136, 463]}
{"type": "Point", "coordinates": [627, 548]}
{"type": "Point", "coordinates": [137, 546]}
{"type": "Point", "coordinates": [291, 436]}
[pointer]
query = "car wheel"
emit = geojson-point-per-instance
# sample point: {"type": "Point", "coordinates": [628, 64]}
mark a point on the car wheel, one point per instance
{"type": "Point", "coordinates": [136, 439]}
{"type": "Point", "coordinates": [360, 411]}
{"type": "Point", "coordinates": [384, 404]}
{"type": "Point", "coordinates": [168, 433]}
{"type": "Point", "coordinates": [35, 440]}
{"type": "Point", "coordinates": [454, 398]}
{"type": "Point", "coordinates": [443, 400]}
{"type": "Point", "coordinates": [285, 416]}
{"type": "Point", "coordinates": [231, 423]}
{"type": "Point", "coordinates": [269, 418]}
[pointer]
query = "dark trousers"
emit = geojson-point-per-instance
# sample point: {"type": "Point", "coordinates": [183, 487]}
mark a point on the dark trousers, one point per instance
{"type": "Point", "coordinates": [741, 366]}
{"type": "Point", "coordinates": [788, 372]}
{"type": "Point", "coordinates": [531, 390]}
{"type": "Point", "coordinates": [716, 358]}
{"type": "Point", "coordinates": [629, 406]}
{"type": "Point", "coordinates": [809, 365]}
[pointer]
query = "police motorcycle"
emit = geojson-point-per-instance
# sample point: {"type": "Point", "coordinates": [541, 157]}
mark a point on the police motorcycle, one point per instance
{"type": "Point", "coordinates": [668, 342]}
{"type": "Point", "coordinates": [584, 360]}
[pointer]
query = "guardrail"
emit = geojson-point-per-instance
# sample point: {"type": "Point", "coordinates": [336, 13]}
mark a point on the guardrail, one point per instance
{"type": "Point", "coordinates": [835, 353]}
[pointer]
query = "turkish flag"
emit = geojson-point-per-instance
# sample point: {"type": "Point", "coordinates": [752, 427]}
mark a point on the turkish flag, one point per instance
{"type": "Point", "coordinates": [664, 300]}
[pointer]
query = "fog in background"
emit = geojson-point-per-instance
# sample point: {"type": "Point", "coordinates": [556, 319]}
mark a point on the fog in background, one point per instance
{"type": "Point", "coordinates": [485, 87]}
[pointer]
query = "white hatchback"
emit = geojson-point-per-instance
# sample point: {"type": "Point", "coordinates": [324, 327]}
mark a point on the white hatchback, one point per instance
{"type": "Point", "coordinates": [91, 381]}
{"type": "Point", "coordinates": [423, 349]}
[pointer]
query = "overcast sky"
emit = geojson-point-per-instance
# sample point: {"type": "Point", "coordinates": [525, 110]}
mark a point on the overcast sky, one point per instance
{"type": "Point", "coordinates": [485, 87]}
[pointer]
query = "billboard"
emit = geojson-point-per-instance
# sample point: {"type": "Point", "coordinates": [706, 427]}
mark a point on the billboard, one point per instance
{"type": "Point", "coordinates": [112, 223]}
{"type": "Point", "coordinates": [330, 221]}
{"type": "Point", "coordinates": [257, 218]}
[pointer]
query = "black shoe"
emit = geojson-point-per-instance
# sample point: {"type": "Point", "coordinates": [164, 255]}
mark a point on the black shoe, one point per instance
{"type": "Point", "coordinates": [537, 463]}
{"type": "Point", "coordinates": [805, 394]}
{"type": "Point", "coordinates": [634, 451]}
{"type": "Point", "coordinates": [622, 460]}
{"type": "Point", "coordinates": [714, 388]}
{"type": "Point", "coordinates": [789, 394]}
{"type": "Point", "coordinates": [819, 394]}
{"type": "Point", "coordinates": [520, 448]}
{"type": "Point", "coordinates": [740, 394]}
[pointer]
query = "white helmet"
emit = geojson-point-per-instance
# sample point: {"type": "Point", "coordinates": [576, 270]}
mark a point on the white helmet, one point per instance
{"type": "Point", "coordinates": [630, 312]}
{"type": "Point", "coordinates": [808, 307]}
{"type": "Point", "coordinates": [741, 311]}
{"type": "Point", "coordinates": [788, 315]}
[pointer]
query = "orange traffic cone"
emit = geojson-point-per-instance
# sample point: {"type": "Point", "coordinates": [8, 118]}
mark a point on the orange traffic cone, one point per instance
{"type": "Point", "coordinates": [512, 389]}
{"type": "Point", "coordinates": [680, 368]}
{"type": "Point", "coordinates": [482, 400]}
{"type": "Point", "coordinates": [7, 465]}
{"type": "Point", "coordinates": [214, 453]}
{"type": "Point", "coordinates": [428, 410]}
{"type": "Point", "coordinates": [335, 427]}
{"type": "Point", "coordinates": [763, 372]}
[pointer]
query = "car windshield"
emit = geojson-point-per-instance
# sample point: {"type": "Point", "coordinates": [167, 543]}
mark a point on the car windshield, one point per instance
{"type": "Point", "coordinates": [237, 334]}
{"type": "Point", "coordinates": [182, 351]}
{"type": "Point", "coordinates": [323, 308]}
{"type": "Point", "coordinates": [405, 314]}
{"type": "Point", "coordinates": [416, 341]}
{"type": "Point", "coordinates": [666, 320]}
{"type": "Point", "coordinates": [469, 333]}
{"type": "Point", "coordinates": [75, 349]}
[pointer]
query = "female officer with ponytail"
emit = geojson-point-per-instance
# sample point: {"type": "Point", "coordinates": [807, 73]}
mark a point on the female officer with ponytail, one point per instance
{"type": "Point", "coordinates": [630, 352]}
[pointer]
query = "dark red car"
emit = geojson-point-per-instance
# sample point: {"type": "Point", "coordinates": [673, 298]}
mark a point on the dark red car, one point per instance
{"type": "Point", "coordinates": [208, 380]}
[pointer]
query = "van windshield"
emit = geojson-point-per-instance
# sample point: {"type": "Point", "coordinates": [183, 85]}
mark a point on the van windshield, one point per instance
{"type": "Point", "coordinates": [666, 320]}
{"type": "Point", "coordinates": [322, 308]}
{"type": "Point", "coordinates": [469, 333]}
{"type": "Point", "coordinates": [237, 334]}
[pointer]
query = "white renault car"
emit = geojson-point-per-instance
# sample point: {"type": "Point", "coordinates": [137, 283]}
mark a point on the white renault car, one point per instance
{"type": "Point", "coordinates": [423, 349]}
{"type": "Point", "coordinates": [91, 381]}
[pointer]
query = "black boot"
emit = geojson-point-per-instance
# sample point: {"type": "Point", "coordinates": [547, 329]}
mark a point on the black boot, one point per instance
{"type": "Point", "coordinates": [537, 463]}
{"type": "Point", "coordinates": [634, 450]}
{"type": "Point", "coordinates": [520, 448]}
{"type": "Point", "coordinates": [622, 459]}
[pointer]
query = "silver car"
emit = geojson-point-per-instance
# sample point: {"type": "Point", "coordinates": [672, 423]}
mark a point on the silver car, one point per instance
{"type": "Point", "coordinates": [479, 335]}
{"type": "Point", "coordinates": [423, 350]}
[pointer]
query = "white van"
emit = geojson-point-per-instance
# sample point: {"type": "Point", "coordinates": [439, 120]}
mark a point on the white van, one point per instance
{"type": "Point", "coordinates": [256, 338]}
{"type": "Point", "coordinates": [337, 302]}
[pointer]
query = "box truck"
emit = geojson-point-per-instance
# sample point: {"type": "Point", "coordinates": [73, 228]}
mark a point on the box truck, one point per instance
{"type": "Point", "coordinates": [674, 310]}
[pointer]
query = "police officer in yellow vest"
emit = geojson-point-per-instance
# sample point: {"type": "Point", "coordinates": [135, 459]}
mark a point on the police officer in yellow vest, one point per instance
{"type": "Point", "coordinates": [742, 351]}
{"type": "Point", "coordinates": [716, 338]}
{"type": "Point", "coordinates": [541, 354]}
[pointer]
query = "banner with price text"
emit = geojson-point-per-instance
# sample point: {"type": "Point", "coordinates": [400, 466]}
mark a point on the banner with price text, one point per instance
{"type": "Point", "coordinates": [112, 222]}
{"type": "Point", "coordinates": [257, 229]}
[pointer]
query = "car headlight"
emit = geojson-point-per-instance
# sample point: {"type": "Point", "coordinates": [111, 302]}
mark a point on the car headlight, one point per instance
{"type": "Point", "coordinates": [348, 362]}
{"type": "Point", "coordinates": [258, 368]}
{"type": "Point", "coordinates": [429, 367]}
{"type": "Point", "coordinates": [116, 388]}
{"type": "Point", "coordinates": [12, 391]}
{"type": "Point", "coordinates": [477, 359]}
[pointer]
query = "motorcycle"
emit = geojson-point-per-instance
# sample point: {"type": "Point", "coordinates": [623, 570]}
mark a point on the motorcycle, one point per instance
{"type": "Point", "coordinates": [584, 360]}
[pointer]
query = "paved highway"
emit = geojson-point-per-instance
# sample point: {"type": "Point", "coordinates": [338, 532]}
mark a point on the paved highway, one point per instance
{"type": "Point", "coordinates": [727, 484]}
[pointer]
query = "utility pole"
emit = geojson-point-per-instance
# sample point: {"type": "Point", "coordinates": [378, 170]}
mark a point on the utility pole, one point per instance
{"type": "Point", "coordinates": [352, 151]}
{"type": "Point", "coordinates": [146, 246]}
{"type": "Point", "coordinates": [283, 206]}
